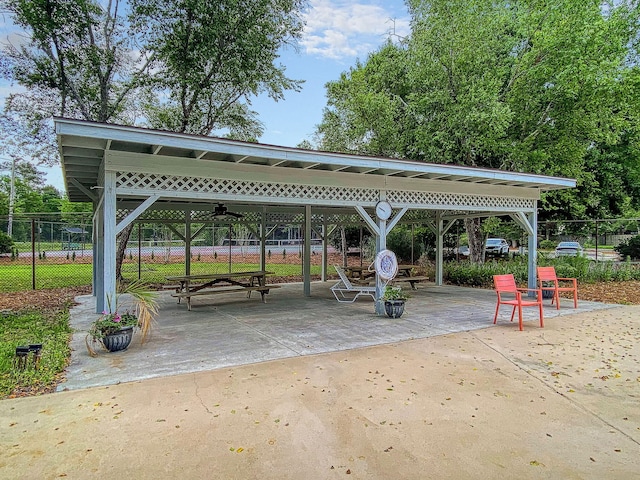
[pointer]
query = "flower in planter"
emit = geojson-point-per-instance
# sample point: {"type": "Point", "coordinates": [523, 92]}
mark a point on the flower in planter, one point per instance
{"type": "Point", "coordinates": [112, 321]}
{"type": "Point", "coordinates": [394, 293]}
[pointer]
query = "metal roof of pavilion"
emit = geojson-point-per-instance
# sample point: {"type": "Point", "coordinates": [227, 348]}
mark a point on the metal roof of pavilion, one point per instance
{"type": "Point", "coordinates": [84, 144]}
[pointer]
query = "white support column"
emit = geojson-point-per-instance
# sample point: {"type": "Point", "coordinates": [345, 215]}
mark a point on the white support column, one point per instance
{"type": "Point", "coordinates": [325, 248]}
{"type": "Point", "coordinates": [187, 243]}
{"type": "Point", "coordinates": [439, 248]}
{"type": "Point", "coordinates": [306, 264]}
{"type": "Point", "coordinates": [98, 259]}
{"type": "Point", "coordinates": [263, 239]}
{"type": "Point", "coordinates": [533, 248]}
{"type": "Point", "coordinates": [530, 224]}
{"type": "Point", "coordinates": [381, 242]}
{"type": "Point", "coordinates": [109, 245]}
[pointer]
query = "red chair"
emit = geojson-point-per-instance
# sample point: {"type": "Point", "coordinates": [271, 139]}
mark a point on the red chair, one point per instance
{"type": "Point", "coordinates": [547, 275]}
{"type": "Point", "coordinates": [505, 285]}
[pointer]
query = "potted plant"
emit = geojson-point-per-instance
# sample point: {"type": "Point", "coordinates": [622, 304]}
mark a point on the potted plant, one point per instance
{"type": "Point", "coordinates": [114, 330]}
{"type": "Point", "coordinates": [394, 299]}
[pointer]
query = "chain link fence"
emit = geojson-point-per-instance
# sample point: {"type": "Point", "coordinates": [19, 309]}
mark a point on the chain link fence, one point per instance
{"type": "Point", "coordinates": [56, 250]}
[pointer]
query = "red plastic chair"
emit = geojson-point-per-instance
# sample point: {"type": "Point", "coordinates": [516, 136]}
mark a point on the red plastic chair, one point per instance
{"type": "Point", "coordinates": [505, 285]}
{"type": "Point", "coordinates": [547, 275]}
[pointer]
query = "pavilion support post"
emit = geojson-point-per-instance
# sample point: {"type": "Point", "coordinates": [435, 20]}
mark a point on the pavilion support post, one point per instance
{"type": "Point", "coordinates": [187, 243]}
{"type": "Point", "coordinates": [98, 259]}
{"type": "Point", "coordinates": [306, 263]}
{"type": "Point", "coordinates": [325, 248]}
{"type": "Point", "coordinates": [533, 252]}
{"type": "Point", "coordinates": [109, 245]}
{"type": "Point", "coordinates": [530, 223]}
{"type": "Point", "coordinates": [263, 239]}
{"type": "Point", "coordinates": [439, 248]}
{"type": "Point", "coordinates": [381, 242]}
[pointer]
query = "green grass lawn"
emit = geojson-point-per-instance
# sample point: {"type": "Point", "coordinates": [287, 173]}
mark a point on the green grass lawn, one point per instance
{"type": "Point", "coordinates": [16, 277]}
{"type": "Point", "coordinates": [21, 329]}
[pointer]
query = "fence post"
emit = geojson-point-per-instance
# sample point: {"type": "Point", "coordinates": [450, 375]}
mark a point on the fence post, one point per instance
{"type": "Point", "coordinates": [33, 253]}
{"type": "Point", "coordinates": [139, 251]}
{"type": "Point", "coordinates": [596, 239]}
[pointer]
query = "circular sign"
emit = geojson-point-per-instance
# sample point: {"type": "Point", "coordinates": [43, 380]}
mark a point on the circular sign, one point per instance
{"type": "Point", "coordinates": [383, 210]}
{"type": "Point", "coordinates": [386, 265]}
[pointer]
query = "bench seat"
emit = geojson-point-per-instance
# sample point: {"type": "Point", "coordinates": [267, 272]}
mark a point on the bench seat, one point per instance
{"type": "Point", "coordinates": [411, 280]}
{"type": "Point", "coordinates": [225, 289]}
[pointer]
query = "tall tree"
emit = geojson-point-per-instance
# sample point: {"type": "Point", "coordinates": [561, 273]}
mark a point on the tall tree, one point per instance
{"type": "Point", "coordinates": [194, 63]}
{"type": "Point", "coordinates": [523, 85]}
{"type": "Point", "coordinates": [212, 57]}
{"type": "Point", "coordinates": [78, 53]}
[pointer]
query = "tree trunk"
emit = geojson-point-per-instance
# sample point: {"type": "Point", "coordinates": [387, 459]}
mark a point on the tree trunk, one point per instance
{"type": "Point", "coordinates": [123, 239]}
{"type": "Point", "coordinates": [476, 245]}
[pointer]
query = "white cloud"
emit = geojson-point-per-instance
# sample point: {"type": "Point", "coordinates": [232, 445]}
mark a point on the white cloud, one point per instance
{"type": "Point", "coordinates": [339, 29]}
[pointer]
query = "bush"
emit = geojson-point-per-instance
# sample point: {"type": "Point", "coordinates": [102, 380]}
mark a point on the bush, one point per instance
{"type": "Point", "coordinates": [547, 244]}
{"type": "Point", "coordinates": [629, 248]}
{"type": "Point", "coordinates": [399, 242]}
{"type": "Point", "coordinates": [6, 243]}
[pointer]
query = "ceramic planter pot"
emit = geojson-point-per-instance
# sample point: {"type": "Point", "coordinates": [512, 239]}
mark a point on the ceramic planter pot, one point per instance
{"type": "Point", "coordinates": [547, 294]}
{"type": "Point", "coordinates": [120, 340]}
{"type": "Point", "coordinates": [394, 308]}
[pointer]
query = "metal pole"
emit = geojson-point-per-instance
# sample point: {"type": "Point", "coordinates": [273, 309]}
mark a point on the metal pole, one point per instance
{"type": "Point", "coordinates": [596, 239]}
{"type": "Point", "coordinates": [33, 253]}
{"type": "Point", "coordinates": [139, 251]}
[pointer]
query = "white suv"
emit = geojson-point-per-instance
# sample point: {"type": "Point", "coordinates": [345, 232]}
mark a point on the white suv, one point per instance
{"type": "Point", "coordinates": [496, 247]}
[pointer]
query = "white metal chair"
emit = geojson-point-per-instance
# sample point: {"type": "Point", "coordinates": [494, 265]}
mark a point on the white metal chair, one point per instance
{"type": "Point", "coordinates": [346, 292]}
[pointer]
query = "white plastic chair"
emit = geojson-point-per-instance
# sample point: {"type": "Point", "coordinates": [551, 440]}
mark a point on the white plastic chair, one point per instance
{"type": "Point", "coordinates": [346, 292]}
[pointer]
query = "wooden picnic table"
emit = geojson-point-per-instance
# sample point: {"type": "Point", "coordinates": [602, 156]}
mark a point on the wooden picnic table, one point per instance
{"type": "Point", "coordinates": [362, 274]}
{"type": "Point", "coordinates": [405, 274]}
{"type": "Point", "coordinates": [214, 283]}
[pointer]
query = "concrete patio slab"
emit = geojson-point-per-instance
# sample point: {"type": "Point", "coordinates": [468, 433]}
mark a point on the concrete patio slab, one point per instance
{"type": "Point", "coordinates": [230, 330]}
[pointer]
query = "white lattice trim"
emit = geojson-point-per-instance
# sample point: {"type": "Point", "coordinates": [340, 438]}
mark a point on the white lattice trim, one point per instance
{"type": "Point", "coordinates": [339, 196]}
{"type": "Point", "coordinates": [439, 200]}
{"type": "Point", "coordinates": [259, 191]}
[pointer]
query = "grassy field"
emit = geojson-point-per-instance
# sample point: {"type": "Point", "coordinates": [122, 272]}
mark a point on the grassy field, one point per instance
{"type": "Point", "coordinates": [21, 329]}
{"type": "Point", "coordinates": [16, 277]}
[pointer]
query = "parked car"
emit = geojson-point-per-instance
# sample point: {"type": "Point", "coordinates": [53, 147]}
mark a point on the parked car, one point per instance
{"type": "Point", "coordinates": [496, 247]}
{"type": "Point", "coordinates": [569, 249]}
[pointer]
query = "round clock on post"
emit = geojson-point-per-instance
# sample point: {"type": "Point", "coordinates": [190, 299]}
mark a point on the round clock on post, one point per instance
{"type": "Point", "coordinates": [383, 210]}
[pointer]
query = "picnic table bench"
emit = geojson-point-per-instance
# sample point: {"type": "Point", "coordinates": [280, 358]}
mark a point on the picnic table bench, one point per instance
{"type": "Point", "coordinates": [362, 275]}
{"type": "Point", "coordinates": [215, 283]}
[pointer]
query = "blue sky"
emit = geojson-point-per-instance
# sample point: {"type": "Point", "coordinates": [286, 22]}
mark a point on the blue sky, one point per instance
{"type": "Point", "coordinates": [337, 33]}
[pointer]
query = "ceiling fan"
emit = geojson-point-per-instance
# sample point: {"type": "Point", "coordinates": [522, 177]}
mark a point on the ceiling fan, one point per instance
{"type": "Point", "coordinates": [220, 211]}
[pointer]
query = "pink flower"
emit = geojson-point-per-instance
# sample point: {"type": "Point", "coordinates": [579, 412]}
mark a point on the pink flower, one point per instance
{"type": "Point", "coordinates": [117, 318]}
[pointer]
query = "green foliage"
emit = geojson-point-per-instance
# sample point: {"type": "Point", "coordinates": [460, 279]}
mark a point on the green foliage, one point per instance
{"type": "Point", "coordinates": [110, 323]}
{"type": "Point", "coordinates": [541, 87]}
{"type": "Point", "coordinates": [481, 275]}
{"type": "Point", "coordinates": [16, 329]}
{"type": "Point", "coordinates": [205, 70]}
{"type": "Point", "coordinates": [6, 243]}
{"type": "Point", "coordinates": [394, 293]}
{"type": "Point", "coordinates": [629, 248]}
{"type": "Point", "coordinates": [548, 244]}
{"type": "Point", "coordinates": [399, 241]}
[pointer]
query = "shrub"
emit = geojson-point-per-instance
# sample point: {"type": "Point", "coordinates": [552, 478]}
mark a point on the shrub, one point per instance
{"type": "Point", "coordinates": [6, 243]}
{"type": "Point", "coordinates": [629, 248]}
{"type": "Point", "coordinates": [547, 245]}
{"type": "Point", "coordinates": [399, 241]}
